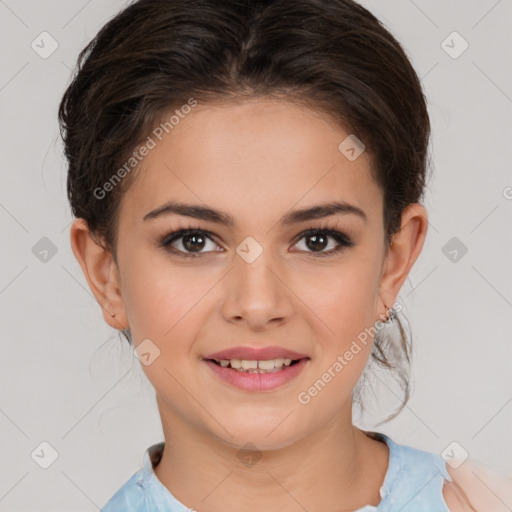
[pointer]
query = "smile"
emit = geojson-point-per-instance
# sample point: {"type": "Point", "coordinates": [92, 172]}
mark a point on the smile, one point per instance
{"type": "Point", "coordinates": [253, 366]}
{"type": "Point", "coordinates": [254, 375]}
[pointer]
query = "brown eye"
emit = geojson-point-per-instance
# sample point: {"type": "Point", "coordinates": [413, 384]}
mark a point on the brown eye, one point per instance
{"type": "Point", "coordinates": [193, 242]}
{"type": "Point", "coordinates": [317, 240]}
{"type": "Point", "coordinates": [188, 242]}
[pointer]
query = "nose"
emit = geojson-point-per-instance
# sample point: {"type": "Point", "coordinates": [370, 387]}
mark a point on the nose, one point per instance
{"type": "Point", "coordinates": [257, 294]}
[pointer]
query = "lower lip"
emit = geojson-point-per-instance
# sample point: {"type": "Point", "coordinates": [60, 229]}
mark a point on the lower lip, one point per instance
{"type": "Point", "coordinates": [257, 381]}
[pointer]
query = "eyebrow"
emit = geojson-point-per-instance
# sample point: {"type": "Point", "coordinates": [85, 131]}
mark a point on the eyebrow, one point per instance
{"type": "Point", "coordinates": [293, 217]}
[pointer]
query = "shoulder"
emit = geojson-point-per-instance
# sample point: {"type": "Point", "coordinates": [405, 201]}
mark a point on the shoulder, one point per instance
{"type": "Point", "coordinates": [137, 493]}
{"type": "Point", "coordinates": [476, 488]}
{"type": "Point", "coordinates": [456, 498]}
{"type": "Point", "coordinates": [423, 480]}
{"type": "Point", "coordinates": [130, 496]}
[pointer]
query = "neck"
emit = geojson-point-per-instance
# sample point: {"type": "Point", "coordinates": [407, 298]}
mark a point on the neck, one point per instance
{"type": "Point", "coordinates": [337, 468]}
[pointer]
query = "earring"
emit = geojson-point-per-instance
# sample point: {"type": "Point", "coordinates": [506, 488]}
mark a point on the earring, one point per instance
{"type": "Point", "coordinates": [112, 315]}
{"type": "Point", "coordinates": [391, 314]}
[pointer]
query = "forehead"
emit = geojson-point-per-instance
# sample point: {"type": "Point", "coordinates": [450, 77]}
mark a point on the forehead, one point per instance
{"type": "Point", "coordinates": [256, 159]}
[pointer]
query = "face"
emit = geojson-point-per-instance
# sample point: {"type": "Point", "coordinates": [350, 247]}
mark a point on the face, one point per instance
{"type": "Point", "coordinates": [258, 281]}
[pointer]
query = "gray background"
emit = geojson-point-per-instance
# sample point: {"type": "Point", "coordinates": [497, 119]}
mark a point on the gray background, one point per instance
{"type": "Point", "coordinates": [66, 378]}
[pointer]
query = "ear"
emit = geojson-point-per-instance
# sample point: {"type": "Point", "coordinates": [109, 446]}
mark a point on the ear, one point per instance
{"type": "Point", "coordinates": [101, 273]}
{"type": "Point", "coordinates": [405, 248]}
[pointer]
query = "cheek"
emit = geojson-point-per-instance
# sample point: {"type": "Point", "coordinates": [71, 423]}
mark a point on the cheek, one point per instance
{"type": "Point", "coordinates": [343, 301]}
{"type": "Point", "coordinates": [152, 295]}
{"type": "Point", "coordinates": [163, 301]}
{"type": "Point", "coordinates": [163, 304]}
{"type": "Point", "coordinates": [344, 310]}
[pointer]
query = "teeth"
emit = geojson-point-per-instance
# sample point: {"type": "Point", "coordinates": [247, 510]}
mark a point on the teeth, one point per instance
{"type": "Point", "coordinates": [248, 365]}
{"type": "Point", "coordinates": [268, 365]}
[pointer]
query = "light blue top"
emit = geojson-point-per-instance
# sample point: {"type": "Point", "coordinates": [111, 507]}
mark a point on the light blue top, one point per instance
{"type": "Point", "coordinates": [413, 483]}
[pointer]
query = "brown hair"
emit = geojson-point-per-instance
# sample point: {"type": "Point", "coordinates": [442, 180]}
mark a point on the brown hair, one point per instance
{"type": "Point", "coordinates": [331, 55]}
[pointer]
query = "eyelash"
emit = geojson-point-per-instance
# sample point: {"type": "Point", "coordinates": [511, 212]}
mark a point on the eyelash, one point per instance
{"type": "Point", "coordinates": [343, 240]}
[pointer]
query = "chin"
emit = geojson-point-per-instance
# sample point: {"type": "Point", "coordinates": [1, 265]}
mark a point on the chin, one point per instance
{"type": "Point", "coordinates": [263, 435]}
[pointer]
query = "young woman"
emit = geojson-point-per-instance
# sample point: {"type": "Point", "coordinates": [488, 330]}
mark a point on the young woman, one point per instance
{"type": "Point", "coordinates": [246, 178]}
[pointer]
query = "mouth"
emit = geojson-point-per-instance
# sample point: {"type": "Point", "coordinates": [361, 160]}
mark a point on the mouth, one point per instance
{"type": "Point", "coordinates": [256, 375]}
{"type": "Point", "coordinates": [255, 366]}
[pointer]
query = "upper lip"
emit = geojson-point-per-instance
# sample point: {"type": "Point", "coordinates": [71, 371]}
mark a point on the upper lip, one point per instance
{"type": "Point", "coordinates": [256, 354]}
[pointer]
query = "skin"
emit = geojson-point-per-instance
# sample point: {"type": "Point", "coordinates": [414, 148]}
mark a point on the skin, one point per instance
{"type": "Point", "coordinates": [476, 487]}
{"type": "Point", "coordinates": [256, 161]}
